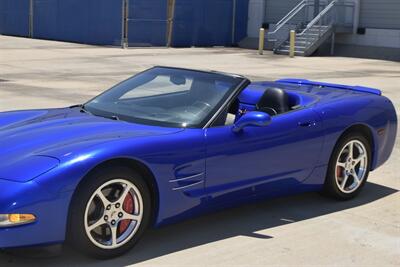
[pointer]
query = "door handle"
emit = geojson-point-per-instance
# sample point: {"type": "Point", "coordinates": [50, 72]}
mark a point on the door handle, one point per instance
{"type": "Point", "coordinates": [306, 124]}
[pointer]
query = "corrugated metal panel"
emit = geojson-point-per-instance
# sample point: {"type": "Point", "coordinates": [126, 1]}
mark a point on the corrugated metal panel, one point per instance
{"type": "Point", "coordinates": [242, 11]}
{"type": "Point", "coordinates": [381, 14]}
{"type": "Point", "coordinates": [206, 23]}
{"type": "Point", "coordinates": [81, 21]}
{"type": "Point", "coordinates": [184, 23]}
{"type": "Point", "coordinates": [197, 22]}
{"type": "Point", "coordinates": [216, 27]}
{"type": "Point", "coordinates": [14, 17]}
{"type": "Point", "coordinates": [203, 23]}
{"type": "Point", "coordinates": [277, 9]}
{"type": "Point", "coordinates": [147, 24]}
{"type": "Point", "coordinates": [104, 22]}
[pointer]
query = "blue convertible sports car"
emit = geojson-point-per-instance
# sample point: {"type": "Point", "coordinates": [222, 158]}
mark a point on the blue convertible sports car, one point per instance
{"type": "Point", "coordinates": [170, 143]}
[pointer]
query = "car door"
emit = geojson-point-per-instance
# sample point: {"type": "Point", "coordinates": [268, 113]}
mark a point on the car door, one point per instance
{"type": "Point", "coordinates": [251, 161]}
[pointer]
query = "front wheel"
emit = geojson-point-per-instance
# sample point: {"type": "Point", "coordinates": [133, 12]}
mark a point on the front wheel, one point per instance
{"type": "Point", "coordinates": [349, 167]}
{"type": "Point", "coordinates": [109, 213]}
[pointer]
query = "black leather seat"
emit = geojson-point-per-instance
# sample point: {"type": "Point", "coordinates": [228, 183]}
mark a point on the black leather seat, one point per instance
{"type": "Point", "coordinates": [274, 101]}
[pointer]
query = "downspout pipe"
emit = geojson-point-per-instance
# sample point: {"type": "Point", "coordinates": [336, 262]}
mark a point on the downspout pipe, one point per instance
{"type": "Point", "coordinates": [356, 16]}
{"type": "Point", "coordinates": [316, 8]}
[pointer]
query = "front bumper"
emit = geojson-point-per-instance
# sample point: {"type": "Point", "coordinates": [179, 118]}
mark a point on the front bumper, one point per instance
{"type": "Point", "coordinates": [51, 211]}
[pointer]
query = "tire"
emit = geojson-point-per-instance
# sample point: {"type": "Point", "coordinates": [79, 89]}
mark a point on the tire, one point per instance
{"type": "Point", "coordinates": [87, 205]}
{"type": "Point", "coordinates": [340, 166]}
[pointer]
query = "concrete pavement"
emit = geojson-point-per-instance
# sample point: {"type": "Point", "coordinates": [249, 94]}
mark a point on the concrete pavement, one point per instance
{"type": "Point", "coordinates": [300, 230]}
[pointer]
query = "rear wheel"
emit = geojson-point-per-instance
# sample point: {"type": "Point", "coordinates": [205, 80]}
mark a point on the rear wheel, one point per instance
{"type": "Point", "coordinates": [349, 167]}
{"type": "Point", "coordinates": [109, 213]}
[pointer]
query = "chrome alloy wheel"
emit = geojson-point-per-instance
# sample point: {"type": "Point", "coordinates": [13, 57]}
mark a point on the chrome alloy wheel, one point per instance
{"type": "Point", "coordinates": [113, 214]}
{"type": "Point", "coordinates": [351, 166]}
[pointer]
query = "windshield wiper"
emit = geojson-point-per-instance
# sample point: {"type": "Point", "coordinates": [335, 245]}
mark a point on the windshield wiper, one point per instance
{"type": "Point", "coordinates": [113, 117]}
{"type": "Point", "coordinates": [76, 106]}
{"type": "Point", "coordinates": [82, 108]}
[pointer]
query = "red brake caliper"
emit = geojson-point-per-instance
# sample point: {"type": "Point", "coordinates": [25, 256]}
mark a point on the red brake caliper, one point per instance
{"type": "Point", "coordinates": [128, 207]}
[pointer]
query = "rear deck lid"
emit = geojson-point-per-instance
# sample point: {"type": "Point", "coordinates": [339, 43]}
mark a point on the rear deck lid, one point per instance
{"type": "Point", "coordinates": [332, 85]}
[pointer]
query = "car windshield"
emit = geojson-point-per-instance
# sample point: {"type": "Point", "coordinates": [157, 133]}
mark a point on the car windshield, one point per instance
{"type": "Point", "coordinates": [166, 97]}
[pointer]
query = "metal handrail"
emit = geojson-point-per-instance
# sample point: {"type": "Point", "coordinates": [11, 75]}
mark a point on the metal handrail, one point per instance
{"type": "Point", "coordinates": [299, 7]}
{"type": "Point", "coordinates": [280, 30]}
{"type": "Point", "coordinates": [328, 13]}
{"type": "Point", "coordinates": [319, 17]}
{"type": "Point", "coordinates": [286, 18]}
{"type": "Point", "coordinates": [297, 17]}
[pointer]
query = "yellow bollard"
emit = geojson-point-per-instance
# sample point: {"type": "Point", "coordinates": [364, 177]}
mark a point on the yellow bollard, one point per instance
{"type": "Point", "coordinates": [261, 41]}
{"type": "Point", "coordinates": [292, 43]}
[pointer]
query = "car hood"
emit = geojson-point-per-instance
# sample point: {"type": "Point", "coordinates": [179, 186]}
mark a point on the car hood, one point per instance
{"type": "Point", "coordinates": [36, 137]}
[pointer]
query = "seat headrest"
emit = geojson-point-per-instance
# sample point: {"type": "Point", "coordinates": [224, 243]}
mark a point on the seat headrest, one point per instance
{"type": "Point", "coordinates": [274, 101]}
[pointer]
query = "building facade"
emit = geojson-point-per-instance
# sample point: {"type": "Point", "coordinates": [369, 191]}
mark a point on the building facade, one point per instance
{"type": "Point", "coordinates": [185, 23]}
{"type": "Point", "coordinates": [378, 27]}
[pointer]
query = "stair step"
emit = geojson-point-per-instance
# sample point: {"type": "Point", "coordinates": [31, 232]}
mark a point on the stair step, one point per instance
{"type": "Point", "coordinates": [314, 31]}
{"type": "Point", "coordinates": [314, 27]}
{"type": "Point", "coordinates": [310, 34]}
{"type": "Point", "coordinates": [320, 26]}
{"type": "Point", "coordinates": [305, 43]}
{"type": "Point", "coordinates": [297, 42]}
{"type": "Point", "coordinates": [307, 34]}
{"type": "Point", "coordinates": [296, 47]}
{"type": "Point", "coordinates": [285, 51]}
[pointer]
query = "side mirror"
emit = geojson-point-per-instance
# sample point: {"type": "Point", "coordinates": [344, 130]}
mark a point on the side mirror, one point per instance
{"type": "Point", "coordinates": [254, 118]}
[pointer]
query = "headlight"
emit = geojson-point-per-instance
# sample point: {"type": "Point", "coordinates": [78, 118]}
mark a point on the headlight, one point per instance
{"type": "Point", "coordinates": [7, 220]}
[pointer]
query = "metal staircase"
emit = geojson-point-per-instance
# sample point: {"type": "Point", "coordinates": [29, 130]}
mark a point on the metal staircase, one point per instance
{"type": "Point", "coordinates": [334, 16]}
{"type": "Point", "coordinates": [306, 44]}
